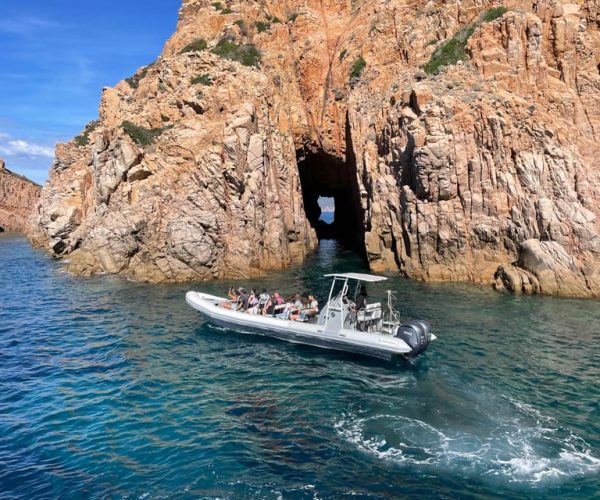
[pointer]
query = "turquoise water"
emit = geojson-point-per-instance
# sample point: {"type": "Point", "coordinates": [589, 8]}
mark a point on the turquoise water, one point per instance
{"type": "Point", "coordinates": [120, 390]}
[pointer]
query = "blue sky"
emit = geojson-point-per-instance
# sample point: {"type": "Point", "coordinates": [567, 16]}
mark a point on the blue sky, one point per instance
{"type": "Point", "coordinates": [55, 57]}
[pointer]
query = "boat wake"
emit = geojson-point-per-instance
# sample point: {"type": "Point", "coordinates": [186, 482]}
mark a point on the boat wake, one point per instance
{"type": "Point", "coordinates": [528, 448]}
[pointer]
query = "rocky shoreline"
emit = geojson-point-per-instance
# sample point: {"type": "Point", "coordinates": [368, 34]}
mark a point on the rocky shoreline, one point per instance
{"type": "Point", "coordinates": [208, 163]}
{"type": "Point", "coordinates": [18, 197]}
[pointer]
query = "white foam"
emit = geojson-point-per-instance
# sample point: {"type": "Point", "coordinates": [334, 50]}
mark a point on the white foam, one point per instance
{"type": "Point", "coordinates": [517, 450]}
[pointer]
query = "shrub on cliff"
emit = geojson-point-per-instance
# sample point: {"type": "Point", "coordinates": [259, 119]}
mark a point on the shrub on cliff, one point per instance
{"type": "Point", "coordinates": [450, 52]}
{"type": "Point", "coordinates": [83, 139]}
{"type": "Point", "coordinates": [493, 14]}
{"type": "Point", "coordinates": [358, 67]}
{"type": "Point", "coordinates": [453, 50]}
{"type": "Point", "coordinates": [246, 53]}
{"type": "Point", "coordinates": [134, 81]}
{"type": "Point", "coordinates": [197, 45]}
{"type": "Point", "coordinates": [140, 135]}
{"type": "Point", "coordinates": [203, 79]}
{"type": "Point", "coordinates": [273, 19]}
{"type": "Point", "coordinates": [262, 26]}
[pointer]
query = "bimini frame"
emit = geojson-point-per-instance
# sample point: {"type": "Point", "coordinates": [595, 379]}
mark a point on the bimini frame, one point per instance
{"type": "Point", "coordinates": [345, 277]}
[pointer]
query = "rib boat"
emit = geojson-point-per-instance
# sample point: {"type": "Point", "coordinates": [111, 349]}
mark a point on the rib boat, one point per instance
{"type": "Point", "coordinates": [371, 330]}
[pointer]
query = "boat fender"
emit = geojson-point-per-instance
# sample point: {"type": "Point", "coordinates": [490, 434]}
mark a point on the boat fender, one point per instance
{"type": "Point", "coordinates": [416, 333]}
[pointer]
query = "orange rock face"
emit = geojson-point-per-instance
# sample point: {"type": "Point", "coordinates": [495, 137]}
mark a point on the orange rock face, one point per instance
{"type": "Point", "coordinates": [485, 171]}
{"type": "Point", "coordinates": [18, 197]}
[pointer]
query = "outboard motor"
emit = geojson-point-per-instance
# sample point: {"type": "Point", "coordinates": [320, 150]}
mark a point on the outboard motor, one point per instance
{"type": "Point", "coordinates": [416, 333]}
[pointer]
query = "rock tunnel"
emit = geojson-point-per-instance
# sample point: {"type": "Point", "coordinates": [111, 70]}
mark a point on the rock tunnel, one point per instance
{"type": "Point", "coordinates": [325, 175]}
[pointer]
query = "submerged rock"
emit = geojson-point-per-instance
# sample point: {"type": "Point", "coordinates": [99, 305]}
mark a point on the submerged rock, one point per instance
{"type": "Point", "coordinates": [209, 162]}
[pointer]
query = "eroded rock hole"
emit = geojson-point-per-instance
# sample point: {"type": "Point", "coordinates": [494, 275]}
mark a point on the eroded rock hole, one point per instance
{"type": "Point", "coordinates": [330, 183]}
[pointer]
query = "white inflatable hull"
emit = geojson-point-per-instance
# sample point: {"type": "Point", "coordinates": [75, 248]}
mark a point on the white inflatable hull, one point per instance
{"type": "Point", "coordinates": [370, 344]}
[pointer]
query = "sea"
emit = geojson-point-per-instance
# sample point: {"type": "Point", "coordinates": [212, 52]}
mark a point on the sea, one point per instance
{"type": "Point", "coordinates": [115, 389]}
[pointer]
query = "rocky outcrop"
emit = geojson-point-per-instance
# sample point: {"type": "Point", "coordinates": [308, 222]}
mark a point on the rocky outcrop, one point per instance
{"type": "Point", "coordinates": [202, 185]}
{"type": "Point", "coordinates": [18, 197]}
{"type": "Point", "coordinates": [484, 170]}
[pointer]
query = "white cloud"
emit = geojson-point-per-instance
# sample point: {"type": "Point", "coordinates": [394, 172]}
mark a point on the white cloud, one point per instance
{"type": "Point", "coordinates": [24, 25]}
{"type": "Point", "coordinates": [19, 147]}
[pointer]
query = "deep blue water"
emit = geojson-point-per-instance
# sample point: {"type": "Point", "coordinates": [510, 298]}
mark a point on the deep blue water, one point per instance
{"type": "Point", "coordinates": [120, 390]}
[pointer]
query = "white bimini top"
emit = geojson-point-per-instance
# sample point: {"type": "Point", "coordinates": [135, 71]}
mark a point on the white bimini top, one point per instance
{"type": "Point", "coordinates": [371, 278]}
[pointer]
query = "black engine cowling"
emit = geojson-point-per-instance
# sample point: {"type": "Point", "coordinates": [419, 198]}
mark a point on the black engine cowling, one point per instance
{"type": "Point", "coordinates": [416, 333]}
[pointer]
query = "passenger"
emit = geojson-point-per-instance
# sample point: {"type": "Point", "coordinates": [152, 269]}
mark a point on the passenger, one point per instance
{"type": "Point", "coordinates": [309, 310]}
{"type": "Point", "coordinates": [252, 302]}
{"type": "Point", "coordinates": [312, 310]}
{"type": "Point", "coordinates": [263, 301]}
{"type": "Point", "coordinates": [276, 304]}
{"type": "Point", "coordinates": [361, 300]}
{"type": "Point", "coordinates": [242, 303]}
{"type": "Point", "coordinates": [289, 307]}
{"type": "Point", "coordinates": [233, 295]}
{"type": "Point", "coordinates": [297, 306]}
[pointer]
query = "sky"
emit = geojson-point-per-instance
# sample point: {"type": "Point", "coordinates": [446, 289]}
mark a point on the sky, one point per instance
{"type": "Point", "coordinates": [55, 57]}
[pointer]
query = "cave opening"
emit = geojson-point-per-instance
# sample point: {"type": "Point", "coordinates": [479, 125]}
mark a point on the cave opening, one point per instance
{"type": "Point", "coordinates": [327, 206]}
{"type": "Point", "coordinates": [332, 198]}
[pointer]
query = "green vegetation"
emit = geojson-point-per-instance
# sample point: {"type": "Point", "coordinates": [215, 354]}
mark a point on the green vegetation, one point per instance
{"type": "Point", "coordinates": [240, 23]}
{"type": "Point", "coordinates": [357, 68]}
{"type": "Point", "coordinates": [197, 45]}
{"type": "Point", "coordinates": [203, 79]}
{"type": "Point", "coordinates": [246, 53]}
{"type": "Point", "coordinates": [83, 139]}
{"type": "Point", "coordinates": [450, 52]}
{"type": "Point", "coordinates": [134, 81]}
{"type": "Point", "coordinates": [273, 19]}
{"type": "Point", "coordinates": [262, 26]}
{"type": "Point", "coordinates": [343, 54]}
{"type": "Point", "coordinates": [217, 5]}
{"type": "Point", "coordinates": [493, 14]}
{"type": "Point", "coordinates": [453, 50]}
{"type": "Point", "coordinates": [226, 10]}
{"type": "Point", "coordinates": [293, 16]}
{"type": "Point", "coordinates": [140, 135]}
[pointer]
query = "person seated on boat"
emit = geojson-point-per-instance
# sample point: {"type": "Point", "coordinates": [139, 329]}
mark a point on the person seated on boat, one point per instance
{"type": "Point", "coordinates": [276, 304]}
{"type": "Point", "coordinates": [233, 295]}
{"type": "Point", "coordinates": [252, 302]}
{"type": "Point", "coordinates": [242, 303]}
{"type": "Point", "coordinates": [284, 310]}
{"type": "Point", "coordinates": [298, 305]}
{"type": "Point", "coordinates": [263, 302]}
{"type": "Point", "coordinates": [361, 303]}
{"type": "Point", "coordinates": [361, 300]}
{"type": "Point", "coordinates": [310, 310]}
{"type": "Point", "coordinates": [292, 306]}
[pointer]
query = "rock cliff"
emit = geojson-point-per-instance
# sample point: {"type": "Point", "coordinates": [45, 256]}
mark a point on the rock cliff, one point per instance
{"type": "Point", "coordinates": [18, 198]}
{"type": "Point", "coordinates": [459, 141]}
